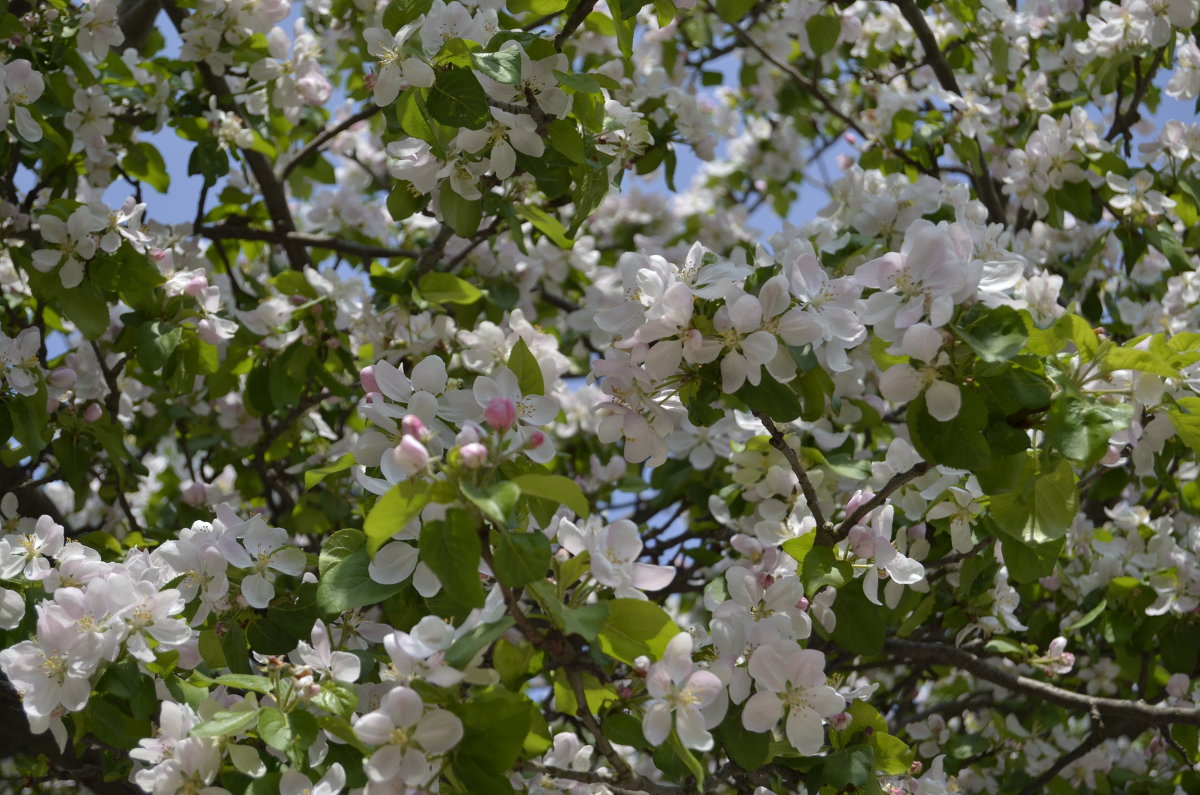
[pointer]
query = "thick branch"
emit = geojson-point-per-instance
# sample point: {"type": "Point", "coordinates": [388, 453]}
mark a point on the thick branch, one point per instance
{"type": "Point", "coordinates": [574, 21]}
{"type": "Point", "coordinates": [1111, 708]}
{"type": "Point", "coordinates": [228, 232]}
{"type": "Point", "coordinates": [274, 196]}
{"type": "Point", "coordinates": [1122, 122]}
{"type": "Point", "coordinates": [325, 135]}
{"type": "Point", "coordinates": [824, 532]}
{"type": "Point", "coordinates": [933, 53]}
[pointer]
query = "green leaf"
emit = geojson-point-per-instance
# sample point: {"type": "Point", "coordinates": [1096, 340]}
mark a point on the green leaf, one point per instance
{"type": "Point", "coordinates": [565, 138]}
{"type": "Point", "coordinates": [401, 12]}
{"type": "Point", "coordinates": [585, 621]}
{"type": "Point", "coordinates": [547, 224]}
{"type": "Point", "coordinates": [462, 215]}
{"type": "Point", "coordinates": [527, 370]}
{"type": "Point", "coordinates": [799, 548]}
{"type": "Point", "coordinates": [557, 488]}
{"type": "Point", "coordinates": [446, 288]}
{"type": "Point", "coordinates": [345, 581]}
{"type": "Point", "coordinates": [1042, 508]}
{"type": "Point", "coordinates": [821, 568]}
{"type": "Point", "coordinates": [226, 722]}
{"type": "Point", "coordinates": [823, 31]}
{"type": "Point", "coordinates": [274, 729]}
{"type": "Point", "coordinates": [1186, 421]}
{"type": "Point", "coordinates": [748, 750]}
{"type": "Point", "coordinates": [87, 308]}
{"type": "Point", "coordinates": [458, 100]}
{"type": "Point", "coordinates": [452, 549]}
{"type": "Point", "coordinates": [256, 684]}
{"type": "Point", "coordinates": [522, 558]}
{"type": "Point", "coordinates": [464, 649]}
{"type": "Point", "coordinates": [314, 476]}
{"type": "Point", "coordinates": [850, 767]}
{"type": "Point", "coordinates": [336, 698]}
{"type": "Point", "coordinates": [393, 511]}
{"type": "Point", "coordinates": [778, 401]}
{"type": "Point", "coordinates": [1080, 428]}
{"type": "Point", "coordinates": [860, 624]}
{"type": "Point", "coordinates": [144, 162]}
{"type": "Point", "coordinates": [958, 443]}
{"type": "Point", "coordinates": [495, 724]}
{"type": "Point", "coordinates": [996, 334]}
{"type": "Point", "coordinates": [503, 66]}
{"type": "Point", "coordinates": [497, 501]}
{"type": "Point", "coordinates": [635, 628]}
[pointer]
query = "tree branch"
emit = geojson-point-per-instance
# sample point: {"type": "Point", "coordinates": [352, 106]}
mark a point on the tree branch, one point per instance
{"type": "Point", "coordinates": [1113, 708]}
{"type": "Point", "coordinates": [229, 232]}
{"type": "Point", "coordinates": [824, 529]}
{"type": "Point", "coordinates": [325, 135]}
{"type": "Point", "coordinates": [274, 196]}
{"type": "Point", "coordinates": [897, 481]}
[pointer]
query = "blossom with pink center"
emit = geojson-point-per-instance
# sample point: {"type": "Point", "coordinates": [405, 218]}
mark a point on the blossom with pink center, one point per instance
{"type": "Point", "coordinates": [675, 686]}
{"type": "Point", "coordinates": [791, 686]}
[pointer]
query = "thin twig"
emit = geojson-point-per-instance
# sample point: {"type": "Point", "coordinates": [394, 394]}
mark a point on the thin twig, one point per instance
{"type": "Point", "coordinates": [897, 481]}
{"type": "Point", "coordinates": [325, 135]}
{"type": "Point", "coordinates": [1112, 708]}
{"type": "Point", "coordinates": [824, 530]}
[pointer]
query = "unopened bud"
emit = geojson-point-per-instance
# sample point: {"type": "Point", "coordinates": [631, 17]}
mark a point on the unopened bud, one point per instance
{"type": "Point", "coordinates": [63, 378]}
{"type": "Point", "coordinates": [501, 413]}
{"type": "Point", "coordinates": [841, 721]}
{"type": "Point", "coordinates": [474, 455]}
{"type": "Point", "coordinates": [535, 440]}
{"type": "Point", "coordinates": [206, 331]}
{"type": "Point", "coordinates": [411, 425]}
{"type": "Point", "coordinates": [366, 377]}
{"type": "Point", "coordinates": [93, 412]}
{"type": "Point", "coordinates": [410, 456]}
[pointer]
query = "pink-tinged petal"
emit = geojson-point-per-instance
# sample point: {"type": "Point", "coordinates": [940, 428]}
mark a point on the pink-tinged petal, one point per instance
{"type": "Point", "coordinates": [678, 657]}
{"type": "Point", "coordinates": [943, 400]}
{"type": "Point", "coordinates": [768, 669]}
{"type": "Point", "coordinates": [374, 728]}
{"type": "Point", "coordinates": [759, 348]}
{"type": "Point", "coordinates": [746, 314]}
{"type": "Point", "coordinates": [439, 731]}
{"type": "Point", "coordinates": [689, 723]}
{"type": "Point", "coordinates": [257, 591]}
{"type": "Point", "coordinates": [704, 687]}
{"type": "Point", "coordinates": [393, 382]}
{"type": "Point", "coordinates": [826, 701]}
{"type": "Point", "coordinates": [762, 712]}
{"type": "Point", "coordinates": [289, 560]}
{"type": "Point", "coordinates": [905, 571]}
{"type": "Point", "coordinates": [659, 681]}
{"type": "Point", "coordinates": [393, 563]}
{"type": "Point", "coordinates": [798, 327]}
{"type": "Point", "coordinates": [384, 764]}
{"type": "Point", "coordinates": [650, 577]}
{"type": "Point", "coordinates": [805, 730]}
{"type": "Point", "coordinates": [806, 668]}
{"type": "Point", "coordinates": [871, 585]}
{"type": "Point", "coordinates": [403, 706]}
{"type": "Point", "coordinates": [880, 273]}
{"type": "Point", "coordinates": [656, 724]}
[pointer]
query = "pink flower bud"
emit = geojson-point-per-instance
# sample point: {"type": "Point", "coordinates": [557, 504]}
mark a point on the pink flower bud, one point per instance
{"type": "Point", "coordinates": [535, 440]}
{"type": "Point", "coordinates": [501, 413]}
{"type": "Point", "coordinates": [196, 285]}
{"type": "Point", "coordinates": [93, 412]}
{"type": "Point", "coordinates": [63, 378]}
{"type": "Point", "coordinates": [366, 377]}
{"type": "Point", "coordinates": [474, 455]}
{"type": "Point", "coordinates": [841, 721]}
{"type": "Point", "coordinates": [803, 603]}
{"type": "Point", "coordinates": [410, 456]}
{"type": "Point", "coordinates": [471, 432]}
{"type": "Point", "coordinates": [411, 425]}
